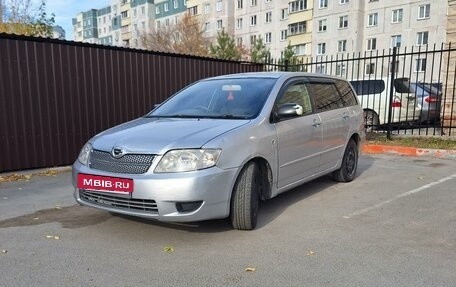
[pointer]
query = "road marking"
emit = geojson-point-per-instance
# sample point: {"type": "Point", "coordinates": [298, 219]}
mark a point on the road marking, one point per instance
{"type": "Point", "coordinates": [378, 205]}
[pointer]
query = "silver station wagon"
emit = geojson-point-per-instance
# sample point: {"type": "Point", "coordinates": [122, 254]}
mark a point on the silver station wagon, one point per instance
{"type": "Point", "coordinates": [219, 146]}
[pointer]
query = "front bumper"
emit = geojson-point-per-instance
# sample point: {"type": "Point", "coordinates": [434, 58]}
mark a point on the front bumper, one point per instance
{"type": "Point", "coordinates": [164, 195]}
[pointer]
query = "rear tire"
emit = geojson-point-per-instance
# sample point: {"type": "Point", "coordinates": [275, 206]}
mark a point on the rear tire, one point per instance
{"type": "Point", "coordinates": [347, 171]}
{"type": "Point", "coordinates": [245, 198]}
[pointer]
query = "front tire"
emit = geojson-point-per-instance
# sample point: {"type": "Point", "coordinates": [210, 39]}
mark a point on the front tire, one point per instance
{"type": "Point", "coordinates": [347, 171]}
{"type": "Point", "coordinates": [245, 198]}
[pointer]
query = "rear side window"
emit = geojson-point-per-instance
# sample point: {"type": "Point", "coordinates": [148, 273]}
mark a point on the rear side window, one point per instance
{"type": "Point", "coordinates": [346, 93]}
{"type": "Point", "coordinates": [368, 87]}
{"type": "Point", "coordinates": [326, 96]}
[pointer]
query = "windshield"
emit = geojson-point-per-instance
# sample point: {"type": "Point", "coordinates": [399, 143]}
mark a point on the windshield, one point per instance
{"type": "Point", "coordinates": [221, 98]}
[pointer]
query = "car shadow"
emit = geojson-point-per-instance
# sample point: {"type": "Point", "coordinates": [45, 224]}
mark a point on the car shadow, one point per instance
{"type": "Point", "coordinates": [269, 210]}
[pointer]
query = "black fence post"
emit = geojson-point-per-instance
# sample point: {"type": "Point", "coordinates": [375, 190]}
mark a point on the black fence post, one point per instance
{"type": "Point", "coordinates": [391, 94]}
{"type": "Point", "coordinates": [286, 65]}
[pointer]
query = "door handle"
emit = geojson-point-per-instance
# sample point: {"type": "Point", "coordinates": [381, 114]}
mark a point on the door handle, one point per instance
{"type": "Point", "coordinates": [316, 123]}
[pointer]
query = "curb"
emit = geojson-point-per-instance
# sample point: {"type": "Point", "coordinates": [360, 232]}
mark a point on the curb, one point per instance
{"type": "Point", "coordinates": [409, 151]}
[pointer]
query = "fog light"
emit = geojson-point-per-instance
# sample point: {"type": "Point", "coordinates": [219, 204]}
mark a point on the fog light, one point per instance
{"type": "Point", "coordinates": [188, 206]}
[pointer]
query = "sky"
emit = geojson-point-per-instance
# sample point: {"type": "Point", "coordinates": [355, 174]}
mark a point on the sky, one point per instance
{"type": "Point", "coordinates": [65, 10]}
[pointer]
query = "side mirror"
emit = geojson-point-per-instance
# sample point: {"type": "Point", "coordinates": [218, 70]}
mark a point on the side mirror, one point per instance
{"type": "Point", "coordinates": [290, 110]}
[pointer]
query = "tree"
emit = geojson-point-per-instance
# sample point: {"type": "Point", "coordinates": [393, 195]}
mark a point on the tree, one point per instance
{"type": "Point", "coordinates": [289, 61]}
{"type": "Point", "coordinates": [184, 37]}
{"type": "Point", "coordinates": [17, 17]}
{"type": "Point", "coordinates": [259, 53]}
{"type": "Point", "coordinates": [225, 47]}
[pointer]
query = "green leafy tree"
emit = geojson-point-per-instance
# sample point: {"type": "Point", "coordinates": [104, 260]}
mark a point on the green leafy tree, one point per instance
{"type": "Point", "coordinates": [225, 47]}
{"type": "Point", "coordinates": [289, 60]}
{"type": "Point", "coordinates": [259, 53]}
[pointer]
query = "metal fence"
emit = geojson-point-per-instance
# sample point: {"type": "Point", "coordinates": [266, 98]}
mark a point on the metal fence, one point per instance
{"type": "Point", "coordinates": [55, 95]}
{"type": "Point", "coordinates": [402, 91]}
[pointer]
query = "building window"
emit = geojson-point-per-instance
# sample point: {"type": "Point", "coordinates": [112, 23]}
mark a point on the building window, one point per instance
{"type": "Point", "coordinates": [284, 14]}
{"type": "Point", "coordinates": [253, 2]}
{"type": "Point", "coordinates": [396, 41]}
{"type": "Point", "coordinates": [166, 7]}
{"type": "Point", "coordinates": [369, 69]}
{"type": "Point", "coordinates": [283, 35]}
{"type": "Point", "coordinates": [207, 8]}
{"type": "Point", "coordinates": [176, 4]}
{"type": "Point", "coordinates": [158, 24]}
{"type": "Point", "coordinates": [321, 48]}
{"type": "Point", "coordinates": [253, 39]}
{"type": "Point", "coordinates": [134, 12]}
{"type": "Point", "coordinates": [219, 24]}
{"type": "Point", "coordinates": [297, 28]}
{"type": "Point", "coordinates": [157, 9]}
{"type": "Point", "coordinates": [268, 17]}
{"type": "Point", "coordinates": [143, 25]}
{"type": "Point", "coordinates": [342, 46]}
{"type": "Point", "coordinates": [124, 14]}
{"type": "Point", "coordinates": [193, 10]}
{"type": "Point", "coordinates": [167, 22]}
{"type": "Point", "coordinates": [397, 16]}
{"type": "Point", "coordinates": [135, 27]}
{"type": "Point", "coordinates": [296, 6]}
{"type": "Point", "coordinates": [268, 37]}
{"type": "Point", "coordinates": [239, 41]}
{"type": "Point", "coordinates": [343, 1]}
{"type": "Point", "coordinates": [207, 26]}
{"type": "Point", "coordinates": [420, 65]}
{"type": "Point", "coordinates": [322, 25]}
{"type": "Point", "coordinates": [253, 20]}
{"type": "Point", "coordinates": [341, 70]}
{"type": "Point", "coordinates": [322, 3]}
{"type": "Point", "coordinates": [343, 22]}
{"type": "Point", "coordinates": [240, 4]}
{"type": "Point", "coordinates": [423, 11]}
{"type": "Point", "coordinates": [371, 44]}
{"type": "Point", "coordinates": [239, 23]}
{"type": "Point", "coordinates": [267, 1]}
{"type": "Point", "coordinates": [372, 20]}
{"type": "Point", "coordinates": [320, 69]}
{"type": "Point", "coordinates": [124, 29]}
{"type": "Point", "coordinates": [422, 38]}
{"type": "Point", "coordinates": [143, 10]}
{"type": "Point", "coordinates": [218, 5]}
{"type": "Point", "coordinates": [300, 49]}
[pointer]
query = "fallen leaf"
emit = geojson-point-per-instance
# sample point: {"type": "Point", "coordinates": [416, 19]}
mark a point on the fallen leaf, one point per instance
{"type": "Point", "coordinates": [58, 207]}
{"type": "Point", "coordinates": [36, 218]}
{"type": "Point", "coordinates": [310, 253]}
{"type": "Point", "coordinates": [53, 237]}
{"type": "Point", "coordinates": [48, 173]}
{"type": "Point", "coordinates": [4, 251]}
{"type": "Point", "coordinates": [168, 249]}
{"type": "Point", "coordinates": [14, 177]}
{"type": "Point", "coordinates": [28, 176]}
{"type": "Point", "coordinates": [250, 269]}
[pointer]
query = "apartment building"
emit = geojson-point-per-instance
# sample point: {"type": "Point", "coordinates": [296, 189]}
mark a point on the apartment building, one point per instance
{"type": "Point", "coordinates": [120, 24]}
{"type": "Point", "coordinates": [300, 27]}
{"type": "Point", "coordinates": [376, 26]}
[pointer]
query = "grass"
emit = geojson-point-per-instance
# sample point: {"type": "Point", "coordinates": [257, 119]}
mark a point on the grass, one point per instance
{"type": "Point", "coordinates": [412, 141]}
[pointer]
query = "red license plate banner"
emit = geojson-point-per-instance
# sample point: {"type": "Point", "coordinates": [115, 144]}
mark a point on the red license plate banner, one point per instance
{"type": "Point", "coordinates": [105, 183]}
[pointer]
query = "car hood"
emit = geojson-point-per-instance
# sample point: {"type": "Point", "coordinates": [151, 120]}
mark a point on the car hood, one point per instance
{"type": "Point", "coordinates": [158, 135]}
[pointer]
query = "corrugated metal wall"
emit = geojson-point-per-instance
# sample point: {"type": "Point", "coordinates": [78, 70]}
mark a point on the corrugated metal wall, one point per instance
{"type": "Point", "coordinates": [55, 95]}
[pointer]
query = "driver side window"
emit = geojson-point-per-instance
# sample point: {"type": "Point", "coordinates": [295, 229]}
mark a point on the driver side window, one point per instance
{"type": "Point", "coordinates": [297, 93]}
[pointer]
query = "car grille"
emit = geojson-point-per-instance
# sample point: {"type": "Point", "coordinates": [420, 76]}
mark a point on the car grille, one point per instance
{"type": "Point", "coordinates": [118, 202]}
{"type": "Point", "coordinates": [129, 163]}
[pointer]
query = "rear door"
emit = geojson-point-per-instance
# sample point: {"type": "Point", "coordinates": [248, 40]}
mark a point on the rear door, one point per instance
{"type": "Point", "coordinates": [298, 138]}
{"type": "Point", "coordinates": [335, 120]}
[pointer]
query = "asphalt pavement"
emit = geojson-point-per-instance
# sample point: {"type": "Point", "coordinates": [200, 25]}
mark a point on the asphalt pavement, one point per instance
{"type": "Point", "coordinates": [395, 225]}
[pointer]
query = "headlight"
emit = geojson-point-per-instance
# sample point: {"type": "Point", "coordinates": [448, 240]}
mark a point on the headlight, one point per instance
{"type": "Point", "coordinates": [84, 154]}
{"type": "Point", "coordinates": [187, 160]}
